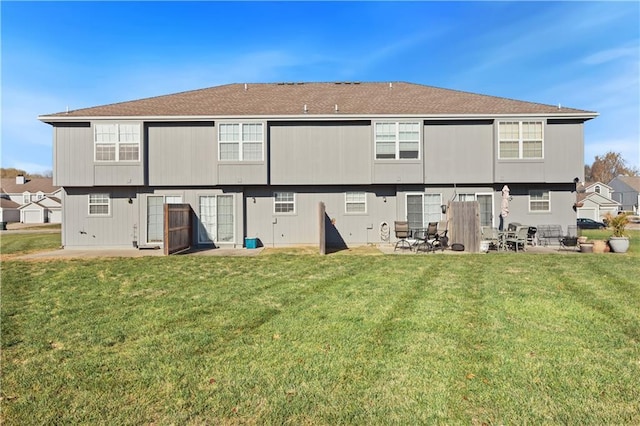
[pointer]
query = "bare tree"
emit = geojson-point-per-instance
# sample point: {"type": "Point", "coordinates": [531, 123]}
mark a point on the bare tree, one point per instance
{"type": "Point", "coordinates": [607, 167]}
{"type": "Point", "coordinates": [12, 172]}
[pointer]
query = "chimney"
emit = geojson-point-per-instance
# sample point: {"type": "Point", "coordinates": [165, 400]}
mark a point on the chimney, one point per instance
{"type": "Point", "coordinates": [20, 180]}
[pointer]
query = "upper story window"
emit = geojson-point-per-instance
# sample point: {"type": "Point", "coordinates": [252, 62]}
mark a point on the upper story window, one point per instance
{"type": "Point", "coordinates": [397, 140]}
{"type": "Point", "coordinates": [240, 141]}
{"type": "Point", "coordinates": [597, 189]}
{"type": "Point", "coordinates": [99, 204]}
{"type": "Point", "coordinates": [355, 202]}
{"type": "Point", "coordinates": [539, 201]}
{"type": "Point", "coordinates": [520, 139]}
{"type": "Point", "coordinates": [26, 197]}
{"type": "Point", "coordinates": [284, 202]}
{"type": "Point", "coordinates": [117, 142]}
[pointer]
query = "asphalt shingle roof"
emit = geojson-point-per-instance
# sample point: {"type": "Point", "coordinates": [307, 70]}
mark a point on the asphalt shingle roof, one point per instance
{"type": "Point", "coordinates": [631, 181]}
{"type": "Point", "coordinates": [8, 204]}
{"type": "Point", "coordinates": [45, 185]}
{"type": "Point", "coordinates": [289, 99]}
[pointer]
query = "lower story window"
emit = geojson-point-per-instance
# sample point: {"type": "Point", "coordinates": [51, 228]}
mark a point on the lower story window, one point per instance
{"type": "Point", "coordinates": [99, 204]}
{"type": "Point", "coordinates": [284, 202]}
{"type": "Point", "coordinates": [539, 201]}
{"type": "Point", "coordinates": [356, 202]}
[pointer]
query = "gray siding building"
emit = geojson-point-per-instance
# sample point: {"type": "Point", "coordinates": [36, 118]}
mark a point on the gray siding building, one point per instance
{"type": "Point", "coordinates": [255, 160]}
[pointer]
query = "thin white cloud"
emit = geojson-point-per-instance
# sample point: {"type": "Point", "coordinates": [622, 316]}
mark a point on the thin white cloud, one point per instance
{"type": "Point", "coordinates": [544, 32]}
{"type": "Point", "coordinates": [613, 54]}
{"type": "Point", "coordinates": [394, 48]}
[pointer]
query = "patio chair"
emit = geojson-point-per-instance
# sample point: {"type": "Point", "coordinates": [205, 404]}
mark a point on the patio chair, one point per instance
{"type": "Point", "coordinates": [569, 241]}
{"type": "Point", "coordinates": [531, 236]}
{"type": "Point", "coordinates": [518, 237]}
{"type": "Point", "coordinates": [401, 229]}
{"type": "Point", "coordinates": [429, 240]}
{"type": "Point", "coordinates": [491, 235]}
{"type": "Point", "coordinates": [443, 229]}
{"type": "Point", "coordinates": [421, 242]}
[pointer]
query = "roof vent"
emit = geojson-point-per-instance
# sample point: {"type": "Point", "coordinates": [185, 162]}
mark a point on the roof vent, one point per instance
{"type": "Point", "coordinates": [305, 109]}
{"type": "Point", "coordinates": [245, 87]}
{"type": "Point", "coordinates": [336, 108]}
{"type": "Point", "coordinates": [390, 85]}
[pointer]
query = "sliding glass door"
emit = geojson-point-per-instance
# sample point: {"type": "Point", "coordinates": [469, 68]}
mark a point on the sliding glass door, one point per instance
{"type": "Point", "coordinates": [217, 221]}
{"type": "Point", "coordinates": [155, 215]}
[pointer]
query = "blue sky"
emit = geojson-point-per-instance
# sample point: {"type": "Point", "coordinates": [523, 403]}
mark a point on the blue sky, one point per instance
{"type": "Point", "coordinates": [583, 55]}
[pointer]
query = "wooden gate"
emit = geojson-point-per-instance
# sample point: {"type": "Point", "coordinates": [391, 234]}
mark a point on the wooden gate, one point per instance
{"type": "Point", "coordinates": [177, 228]}
{"type": "Point", "coordinates": [464, 224]}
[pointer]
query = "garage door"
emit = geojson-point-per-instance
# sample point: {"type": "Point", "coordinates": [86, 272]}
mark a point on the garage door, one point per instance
{"type": "Point", "coordinates": [589, 213]}
{"type": "Point", "coordinates": [32, 216]}
{"type": "Point", "coordinates": [55, 216]}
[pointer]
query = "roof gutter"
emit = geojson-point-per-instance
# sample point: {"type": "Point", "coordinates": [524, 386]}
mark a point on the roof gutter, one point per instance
{"type": "Point", "coordinates": [307, 117]}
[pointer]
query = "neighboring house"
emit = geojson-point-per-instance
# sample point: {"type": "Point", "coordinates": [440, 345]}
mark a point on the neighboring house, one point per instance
{"type": "Point", "coordinates": [34, 200]}
{"type": "Point", "coordinates": [255, 160]}
{"type": "Point", "coordinates": [626, 191]}
{"type": "Point", "coordinates": [594, 201]}
{"type": "Point", "coordinates": [9, 210]}
{"type": "Point", "coordinates": [45, 210]}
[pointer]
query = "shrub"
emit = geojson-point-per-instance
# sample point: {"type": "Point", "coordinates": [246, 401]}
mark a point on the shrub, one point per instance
{"type": "Point", "coordinates": [617, 223]}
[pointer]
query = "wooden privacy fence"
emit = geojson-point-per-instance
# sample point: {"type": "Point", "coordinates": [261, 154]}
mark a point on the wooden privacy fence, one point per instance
{"type": "Point", "coordinates": [322, 229]}
{"type": "Point", "coordinates": [464, 224]}
{"type": "Point", "coordinates": [177, 228]}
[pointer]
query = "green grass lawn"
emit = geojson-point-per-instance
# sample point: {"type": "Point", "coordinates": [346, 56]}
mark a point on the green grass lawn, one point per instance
{"type": "Point", "coordinates": [287, 338]}
{"type": "Point", "coordinates": [17, 243]}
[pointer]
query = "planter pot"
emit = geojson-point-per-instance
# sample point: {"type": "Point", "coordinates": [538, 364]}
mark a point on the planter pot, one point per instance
{"type": "Point", "coordinates": [599, 246]}
{"type": "Point", "coordinates": [586, 248]}
{"type": "Point", "coordinates": [619, 244]}
{"type": "Point", "coordinates": [582, 240]}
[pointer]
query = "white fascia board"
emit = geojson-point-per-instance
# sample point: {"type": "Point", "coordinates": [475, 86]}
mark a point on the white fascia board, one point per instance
{"type": "Point", "coordinates": [307, 117]}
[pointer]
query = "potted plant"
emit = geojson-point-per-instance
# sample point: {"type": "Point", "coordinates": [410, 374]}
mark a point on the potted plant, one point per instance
{"type": "Point", "coordinates": [619, 241]}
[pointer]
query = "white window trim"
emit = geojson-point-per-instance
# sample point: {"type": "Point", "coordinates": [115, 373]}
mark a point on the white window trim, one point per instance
{"type": "Point", "coordinates": [521, 140]}
{"type": "Point", "coordinates": [241, 142]}
{"type": "Point", "coordinates": [493, 207]}
{"type": "Point", "coordinates": [397, 140]}
{"type": "Point", "coordinates": [422, 194]}
{"type": "Point", "coordinates": [26, 197]}
{"type": "Point", "coordinates": [548, 201]}
{"type": "Point", "coordinates": [285, 202]}
{"type": "Point", "coordinates": [108, 204]}
{"type": "Point", "coordinates": [117, 143]}
{"type": "Point", "coordinates": [466, 194]}
{"type": "Point", "coordinates": [347, 203]}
